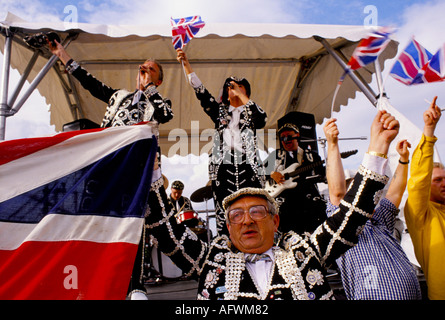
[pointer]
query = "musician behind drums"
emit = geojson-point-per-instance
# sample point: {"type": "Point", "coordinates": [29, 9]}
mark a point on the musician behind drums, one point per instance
{"type": "Point", "coordinates": [301, 206]}
{"type": "Point", "coordinates": [179, 202]}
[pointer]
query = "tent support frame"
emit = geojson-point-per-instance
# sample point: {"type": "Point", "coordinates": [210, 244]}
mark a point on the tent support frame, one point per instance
{"type": "Point", "coordinates": [10, 108]}
{"type": "Point", "coordinates": [365, 89]}
{"type": "Point", "coordinates": [4, 107]}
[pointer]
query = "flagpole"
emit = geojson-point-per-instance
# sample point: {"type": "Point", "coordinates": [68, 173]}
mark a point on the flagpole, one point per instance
{"type": "Point", "coordinates": [183, 69]}
{"type": "Point", "coordinates": [378, 72]}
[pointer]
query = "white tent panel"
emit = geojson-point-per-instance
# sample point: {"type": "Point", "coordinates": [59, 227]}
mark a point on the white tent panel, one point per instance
{"type": "Point", "coordinates": [271, 56]}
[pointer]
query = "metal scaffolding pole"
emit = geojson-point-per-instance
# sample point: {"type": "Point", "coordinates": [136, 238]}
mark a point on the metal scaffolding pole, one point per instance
{"type": "Point", "coordinates": [367, 91]}
{"type": "Point", "coordinates": [35, 82]}
{"type": "Point", "coordinates": [10, 109]}
{"type": "Point", "coordinates": [23, 78]}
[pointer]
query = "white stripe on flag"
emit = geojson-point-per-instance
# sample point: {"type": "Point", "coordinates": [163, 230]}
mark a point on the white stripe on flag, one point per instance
{"type": "Point", "coordinates": [59, 227]}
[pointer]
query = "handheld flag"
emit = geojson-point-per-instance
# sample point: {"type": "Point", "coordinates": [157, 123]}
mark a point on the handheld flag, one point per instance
{"type": "Point", "coordinates": [184, 29]}
{"type": "Point", "coordinates": [366, 52]}
{"type": "Point", "coordinates": [72, 208]}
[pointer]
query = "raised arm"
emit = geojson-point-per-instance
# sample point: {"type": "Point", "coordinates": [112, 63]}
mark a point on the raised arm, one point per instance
{"type": "Point", "coordinates": [431, 117]}
{"type": "Point", "coordinates": [60, 52]}
{"type": "Point", "coordinates": [399, 180]}
{"type": "Point", "coordinates": [419, 183]}
{"type": "Point", "coordinates": [97, 88]}
{"type": "Point", "coordinates": [384, 129]}
{"type": "Point", "coordinates": [182, 58]}
{"type": "Point", "coordinates": [339, 232]}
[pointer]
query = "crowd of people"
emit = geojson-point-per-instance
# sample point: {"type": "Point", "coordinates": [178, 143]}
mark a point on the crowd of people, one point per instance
{"type": "Point", "coordinates": [279, 245]}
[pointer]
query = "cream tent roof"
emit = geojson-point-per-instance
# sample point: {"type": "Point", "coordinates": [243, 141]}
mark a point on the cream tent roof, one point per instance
{"type": "Point", "coordinates": [287, 65]}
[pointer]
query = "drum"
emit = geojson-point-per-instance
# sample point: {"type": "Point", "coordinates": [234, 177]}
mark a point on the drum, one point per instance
{"type": "Point", "coordinates": [164, 265]}
{"type": "Point", "coordinates": [184, 216]}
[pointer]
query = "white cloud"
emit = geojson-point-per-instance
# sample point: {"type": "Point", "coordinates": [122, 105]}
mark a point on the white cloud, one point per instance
{"type": "Point", "coordinates": [33, 118]}
{"type": "Point", "coordinates": [29, 10]}
{"type": "Point", "coordinates": [425, 21]}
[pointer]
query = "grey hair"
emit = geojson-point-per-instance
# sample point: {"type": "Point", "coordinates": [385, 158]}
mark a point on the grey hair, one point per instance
{"type": "Point", "coordinates": [438, 165]}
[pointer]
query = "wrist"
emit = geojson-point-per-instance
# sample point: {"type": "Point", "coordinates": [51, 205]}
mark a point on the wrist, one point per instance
{"type": "Point", "coordinates": [429, 131]}
{"type": "Point", "coordinates": [379, 147]}
{"type": "Point", "coordinates": [71, 66]}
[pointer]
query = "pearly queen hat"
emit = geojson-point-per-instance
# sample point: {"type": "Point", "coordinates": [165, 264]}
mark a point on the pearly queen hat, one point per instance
{"type": "Point", "coordinates": [257, 192]}
{"type": "Point", "coordinates": [242, 81]}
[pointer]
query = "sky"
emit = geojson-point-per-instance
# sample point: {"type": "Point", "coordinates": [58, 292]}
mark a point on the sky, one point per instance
{"type": "Point", "coordinates": [421, 19]}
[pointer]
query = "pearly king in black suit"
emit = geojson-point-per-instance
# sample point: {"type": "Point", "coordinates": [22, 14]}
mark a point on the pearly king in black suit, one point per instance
{"type": "Point", "coordinates": [231, 169]}
{"type": "Point", "coordinates": [126, 108]}
{"type": "Point", "coordinates": [299, 261]}
{"type": "Point", "coordinates": [123, 107]}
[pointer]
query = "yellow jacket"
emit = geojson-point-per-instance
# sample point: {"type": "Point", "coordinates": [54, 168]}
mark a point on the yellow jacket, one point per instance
{"type": "Point", "coordinates": [426, 219]}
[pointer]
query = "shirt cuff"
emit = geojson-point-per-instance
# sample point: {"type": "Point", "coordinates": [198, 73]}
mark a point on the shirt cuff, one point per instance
{"type": "Point", "coordinates": [375, 163]}
{"type": "Point", "coordinates": [194, 80]}
{"type": "Point", "coordinates": [71, 66]}
{"type": "Point", "coordinates": [156, 174]}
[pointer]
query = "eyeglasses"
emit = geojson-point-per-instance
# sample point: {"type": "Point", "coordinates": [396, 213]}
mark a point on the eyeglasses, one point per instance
{"type": "Point", "coordinates": [256, 213]}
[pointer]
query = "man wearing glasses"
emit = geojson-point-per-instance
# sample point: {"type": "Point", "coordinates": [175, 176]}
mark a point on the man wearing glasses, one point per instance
{"type": "Point", "coordinates": [124, 107]}
{"type": "Point", "coordinates": [255, 262]}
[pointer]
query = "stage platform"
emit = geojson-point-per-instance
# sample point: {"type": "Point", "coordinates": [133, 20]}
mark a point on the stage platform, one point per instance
{"type": "Point", "coordinates": [172, 290]}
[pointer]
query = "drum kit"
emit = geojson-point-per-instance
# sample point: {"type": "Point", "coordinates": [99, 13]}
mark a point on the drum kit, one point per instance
{"type": "Point", "coordinates": [201, 195]}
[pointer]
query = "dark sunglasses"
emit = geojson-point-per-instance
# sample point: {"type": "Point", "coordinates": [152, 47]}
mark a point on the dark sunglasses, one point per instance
{"type": "Point", "coordinates": [287, 138]}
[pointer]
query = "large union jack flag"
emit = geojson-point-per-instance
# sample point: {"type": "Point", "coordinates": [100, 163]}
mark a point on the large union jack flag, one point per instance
{"type": "Point", "coordinates": [369, 48]}
{"type": "Point", "coordinates": [184, 29]}
{"type": "Point", "coordinates": [72, 210]}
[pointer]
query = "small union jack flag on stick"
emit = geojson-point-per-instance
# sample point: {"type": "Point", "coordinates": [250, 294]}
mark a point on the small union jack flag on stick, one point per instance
{"type": "Point", "coordinates": [369, 48]}
{"type": "Point", "coordinates": [184, 29]}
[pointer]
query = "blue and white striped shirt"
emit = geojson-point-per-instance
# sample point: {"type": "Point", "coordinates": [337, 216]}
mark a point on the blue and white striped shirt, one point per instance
{"type": "Point", "coordinates": [377, 268]}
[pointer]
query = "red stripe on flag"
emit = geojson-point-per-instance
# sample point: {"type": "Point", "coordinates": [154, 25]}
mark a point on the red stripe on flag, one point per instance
{"type": "Point", "coordinates": [71, 270]}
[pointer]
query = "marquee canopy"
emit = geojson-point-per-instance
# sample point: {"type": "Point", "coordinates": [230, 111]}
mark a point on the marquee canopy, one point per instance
{"type": "Point", "coordinates": [290, 68]}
